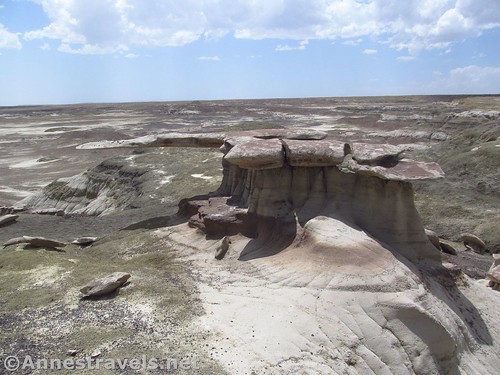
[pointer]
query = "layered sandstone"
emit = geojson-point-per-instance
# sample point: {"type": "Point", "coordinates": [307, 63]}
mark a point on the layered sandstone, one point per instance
{"type": "Point", "coordinates": [279, 180]}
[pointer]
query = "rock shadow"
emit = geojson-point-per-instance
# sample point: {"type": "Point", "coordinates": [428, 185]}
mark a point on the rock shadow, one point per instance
{"type": "Point", "coordinates": [32, 247]}
{"type": "Point", "coordinates": [157, 222]}
{"type": "Point", "coordinates": [443, 284]}
{"type": "Point", "coordinates": [273, 237]}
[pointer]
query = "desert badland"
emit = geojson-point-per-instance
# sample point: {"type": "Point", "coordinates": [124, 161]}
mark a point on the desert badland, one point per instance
{"type": "Point", "coordinates": [299, 249]}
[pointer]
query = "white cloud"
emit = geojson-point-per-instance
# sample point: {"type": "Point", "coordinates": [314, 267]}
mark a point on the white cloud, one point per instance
{"type": "Point", "coordinates": [353, 42]}
{"type": "Point", "coordinates": [370, 51]}
{"type": "Point", "coordinates": [470, 79]}
{"type": "Point", "coordinates": [209, 58]}
{"type": "Point", "coordinates": [300, 47]}
{"type": "Point", "coordinates": [45, 47]}
{"type": "Point", "coordinates": [406, 58]}
{"type": "Point", "coordinates": [8, 39]}
{"type": "Point", "coordinates": [131, 56]}
{"type": "Point", "coordinates": [412, 25]}
{"type": "Point", "coordinates": [92, 49]}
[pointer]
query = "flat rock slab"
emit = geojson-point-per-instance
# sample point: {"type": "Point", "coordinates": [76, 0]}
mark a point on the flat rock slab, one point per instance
{"type": "Point", "coordinates": [373, 153]}
{"type": "Point", "coordinates": [35, 241]}
{"type": "Point", "coordinates": [5, 219]}
{"type": "Point", "coordinates": [105, 285]}
{"type": "Point", "coordinates": [404, 170]}
{"type": "Point", "coordinates": [299, 134]}
{"type": "Point", "coordinates": [314, 153]}
{"type": "Point", "coordinates": [212, 140]}
{"type": "Point", "coordinates": [257, 154]}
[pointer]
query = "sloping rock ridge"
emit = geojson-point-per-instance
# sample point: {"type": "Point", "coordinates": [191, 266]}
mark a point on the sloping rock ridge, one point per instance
{"type": "Point", "coordinates": [100, 190]}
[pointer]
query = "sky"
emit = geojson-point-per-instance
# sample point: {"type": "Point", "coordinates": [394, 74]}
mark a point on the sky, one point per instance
{"type": "Point", "coordinates": [80, 51]}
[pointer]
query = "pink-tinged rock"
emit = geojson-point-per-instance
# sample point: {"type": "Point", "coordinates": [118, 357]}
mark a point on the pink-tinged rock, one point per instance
{"type": "Point", "coordinates": [257, 154]}
{"type": "Point", "coordinates": [106, 285]}
{"type": "Point", "coordinates": [314, 153]}
{"type": "Point", "coordinates": [373, 153]}
{"type": "Point", "coordinates": [404, 170]}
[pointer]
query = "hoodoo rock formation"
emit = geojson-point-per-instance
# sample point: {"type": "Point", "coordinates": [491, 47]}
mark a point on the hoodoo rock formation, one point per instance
{"type": "Point", "coordinates": [278, 180]}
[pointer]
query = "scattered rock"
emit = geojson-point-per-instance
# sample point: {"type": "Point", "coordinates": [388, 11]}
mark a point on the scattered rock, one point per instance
{"type": "Point", "coordinates": [95, 354]}
{"type": "Point", "coordinates": [35, 241]}
{"type": "Point", "coordinates": [49, 211]}
{"type": "Point", "coordinates": [447, 248]}
{"type": "Point", "coordinates": [494, 272]}
{"type": "Point", "coordinates": [474, 243]}
{"type": "Point", "coordinates": [4, 210]}
{"type": "Point", "coordinates": [494, 276]}
{"type": "Point", "coordinates": [84, 241]}
{"type": "Point", "coordinates": [105, 285]}
{"type": "Point", "coordinates": [222, 248]}
{"type": "Point", "coordinates": [434, 238]}
{"type": "Point", "coordinates": [7, 219]}
{"type": "Point", "coordinates": [496, 261]}
{"type": "Point", "coordinates": [72, 352]}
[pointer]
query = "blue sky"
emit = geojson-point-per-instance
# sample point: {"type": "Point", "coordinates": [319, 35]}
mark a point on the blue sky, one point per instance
{"type": "Point", "coordinates": [74, 51]}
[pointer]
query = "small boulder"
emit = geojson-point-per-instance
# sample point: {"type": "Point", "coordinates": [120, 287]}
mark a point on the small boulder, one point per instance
{"type": "Point", "coordinates": [474, 243]}
{"type": "Point", "coordinates": [7, 219]}
{"type": "Point", "coordinates": [434, 238]}
{"type": "Point", "coordinates": [84, 241]}
{"type": "Point", "coordinates": [222, 249]}
{"type": "Point", "coordinates": [494, 276]}
{"type": "Point", "coordinates": [496, 261]}
{"type": "Point", "coordinates": [446, 248]}
{"type": "Point", "coordinates": [105, 285]}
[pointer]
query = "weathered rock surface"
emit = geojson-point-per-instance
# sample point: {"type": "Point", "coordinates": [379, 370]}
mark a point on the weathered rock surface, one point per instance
{"type": "Point", "coordinates": [257, 154]}
{"type": "Point", "coordinates": [35, 241]}
{"type": "Point", "coordinates": [105, 285]}
{"type": "Point", "coordinates": [434, 238]}
{"type": "Point", "coordinates": [5, 219]}
{"type": "Point", "coordinates": [313, 153]}
{"type": "Point", "coordinates": [473, 242]}
{"type": "Point", "coordinates": [100, 190]}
